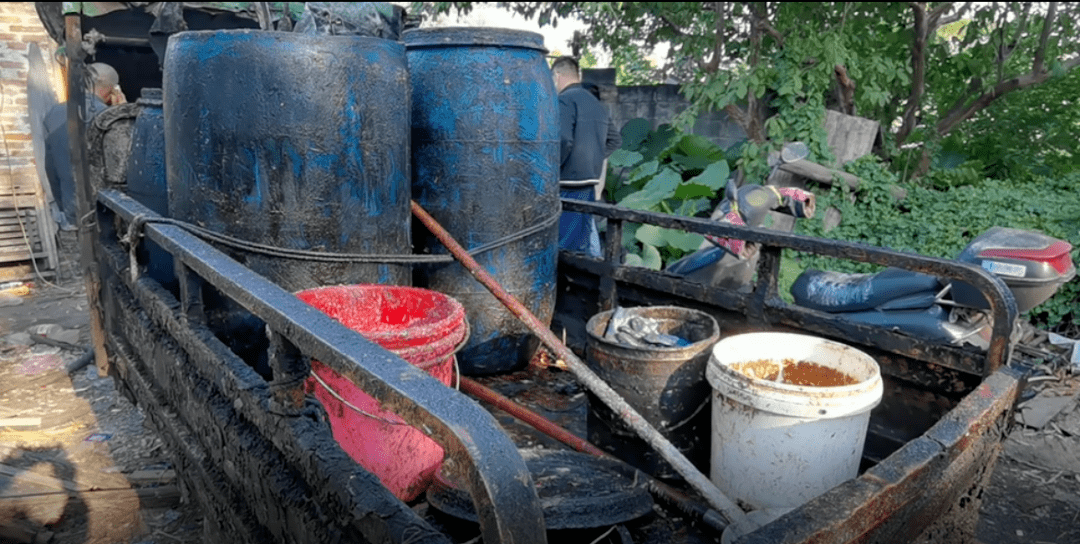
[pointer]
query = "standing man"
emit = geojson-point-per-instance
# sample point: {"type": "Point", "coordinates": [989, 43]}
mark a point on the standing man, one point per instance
{"type": "Point", "coordinates": [586, 139]}
{"type": "Point", "coordinates": [102, 91]}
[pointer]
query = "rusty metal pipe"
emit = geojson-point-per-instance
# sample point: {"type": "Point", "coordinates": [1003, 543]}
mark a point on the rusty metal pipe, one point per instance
{"type": "Point", "coordinates": [550, 428]}
{"type": "Point", "coordinates": [588, 378]}
{"type": "Point", "coordinates": [534, 419]}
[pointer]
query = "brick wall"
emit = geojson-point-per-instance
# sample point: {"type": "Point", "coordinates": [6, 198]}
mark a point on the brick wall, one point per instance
{"type": "Point", "coordinates": [19, 26]}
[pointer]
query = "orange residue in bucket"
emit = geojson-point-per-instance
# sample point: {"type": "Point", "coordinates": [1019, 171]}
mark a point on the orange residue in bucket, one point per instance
{"type": "Point", "coordinates": [795, 373]}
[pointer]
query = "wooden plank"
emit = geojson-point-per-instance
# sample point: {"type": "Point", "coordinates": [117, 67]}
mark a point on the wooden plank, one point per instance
{"type": "Point", "coordinates": [825, 175]}
{"type": "Point", "coordinates": [13, 232]}
{"type": "Point", "coordinates": [165, 496]}
{"type": "Point", "coordinates": [21, 271]}
{"type": "Point", "coordinates": [10, 255]}
{"type": "Point", "coordinates": [10, 214]}
{"type": "Point", "coordinates": [20, 422]}
{"type": "Point", "coordinates": [849, 137]}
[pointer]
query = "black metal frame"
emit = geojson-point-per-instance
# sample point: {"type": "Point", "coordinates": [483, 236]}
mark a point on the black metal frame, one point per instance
{"type": "Point", "coordinates": [764, 304]}
{"type": "Point", "coordinates": [477, 451]}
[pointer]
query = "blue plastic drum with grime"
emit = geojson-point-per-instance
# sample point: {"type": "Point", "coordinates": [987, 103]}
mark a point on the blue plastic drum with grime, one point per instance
{"type": "Point", "coordinates": [485, 137]}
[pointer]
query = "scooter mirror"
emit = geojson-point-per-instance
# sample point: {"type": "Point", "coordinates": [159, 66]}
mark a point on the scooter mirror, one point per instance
{"type": "Point", "coordinates": [794, 151]}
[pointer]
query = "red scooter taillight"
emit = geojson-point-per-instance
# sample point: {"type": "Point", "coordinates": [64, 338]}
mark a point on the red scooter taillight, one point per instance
{"type": "Point", "coordinates": [1055, 255]}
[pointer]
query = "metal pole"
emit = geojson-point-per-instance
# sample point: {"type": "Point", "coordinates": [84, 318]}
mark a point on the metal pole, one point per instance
{"type": "Point", "coordinates": [588, 378]}
{"type": "Point", "coordinates": [85, 195]}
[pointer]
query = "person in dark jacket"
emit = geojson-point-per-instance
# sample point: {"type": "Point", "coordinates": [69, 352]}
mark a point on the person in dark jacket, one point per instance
{"type": "Point", "coordinates": [103, 90]}
{"type": "Point", "coordinates": [586, 137]}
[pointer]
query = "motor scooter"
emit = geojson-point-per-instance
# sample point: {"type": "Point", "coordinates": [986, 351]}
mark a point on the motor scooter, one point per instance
{"type": "Point", "coordinates": [1032, 265]}
{"type": "Point", "coordinates": [729, 263]}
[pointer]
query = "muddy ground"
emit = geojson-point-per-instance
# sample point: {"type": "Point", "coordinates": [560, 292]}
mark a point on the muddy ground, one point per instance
{"type": "Point", "coordinates": [78, 465]}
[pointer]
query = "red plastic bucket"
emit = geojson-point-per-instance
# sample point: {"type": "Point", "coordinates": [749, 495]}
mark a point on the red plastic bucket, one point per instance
{"type": "Point", "coordinates": [423, 327]}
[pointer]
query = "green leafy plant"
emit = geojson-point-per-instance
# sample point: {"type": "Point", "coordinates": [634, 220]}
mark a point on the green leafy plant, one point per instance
{"type": "Point", "coordinates": [664, 171]}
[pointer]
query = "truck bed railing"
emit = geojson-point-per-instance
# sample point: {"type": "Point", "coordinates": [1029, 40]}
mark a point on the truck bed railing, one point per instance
{"type": "Point", "coordinates": [764, 304]}
{"type": "Point", "coordinates": [477, 450]}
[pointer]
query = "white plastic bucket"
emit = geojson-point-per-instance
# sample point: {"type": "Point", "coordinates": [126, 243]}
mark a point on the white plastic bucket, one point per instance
{"type": "Point", "coordinates": [777, 445]}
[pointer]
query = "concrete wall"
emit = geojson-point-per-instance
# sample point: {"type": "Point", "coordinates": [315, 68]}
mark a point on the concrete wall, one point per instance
{"type": "Point", "coordinates": [660, 104]}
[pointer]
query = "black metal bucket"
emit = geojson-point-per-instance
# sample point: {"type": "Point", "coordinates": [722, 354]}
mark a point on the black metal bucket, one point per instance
{"type": "Point", "coordinates": [666, 385]}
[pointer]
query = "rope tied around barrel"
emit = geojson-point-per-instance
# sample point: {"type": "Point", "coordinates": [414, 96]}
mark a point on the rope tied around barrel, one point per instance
{"type": "Point", "coordinates": [131, 241]}
{"type": "Point", "coordinates": [138, 223]}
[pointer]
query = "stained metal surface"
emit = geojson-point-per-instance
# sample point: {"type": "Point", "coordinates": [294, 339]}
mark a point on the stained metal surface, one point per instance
{"type": "Point", "coordinates": [485, 153]}
{"type": "Point", "coordinates": [292, 140]}
{"type": "Point", "coordinates": [765, 304]}
{"type": "Point", "coordinates": [576, 491]}
{"type": "Point", "coordinates": [478, 453]}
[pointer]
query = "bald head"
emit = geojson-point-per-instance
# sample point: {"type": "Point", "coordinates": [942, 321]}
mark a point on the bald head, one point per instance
{"type": "Point", "coordinates": [103, 79]}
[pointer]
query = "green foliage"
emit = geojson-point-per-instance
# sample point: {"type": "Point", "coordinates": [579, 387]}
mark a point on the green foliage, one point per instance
{"type": "Point", "coordinates": [665, 171]}
{"type": "Point", "coordinates": [1026, 134]}
{"type": "Point", "coordinates": [940, 223]}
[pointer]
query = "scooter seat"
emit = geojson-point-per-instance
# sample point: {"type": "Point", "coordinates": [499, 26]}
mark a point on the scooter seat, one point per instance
{"type": "Point", "coordinates": [891, 289]}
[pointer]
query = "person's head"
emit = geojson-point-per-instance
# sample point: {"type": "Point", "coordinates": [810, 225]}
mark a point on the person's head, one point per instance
{"type": "Point", "coordinates": [102, 79]}
{"type": "Point", "coordinates": [565, 71]}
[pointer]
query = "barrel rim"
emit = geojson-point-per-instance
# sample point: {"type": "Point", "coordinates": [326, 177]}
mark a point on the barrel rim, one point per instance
{"type": "Point", "coordinates": [192, 35]}
{"type": "Point", "coordinates": [150, 96]}
{"type": "Point", "coordinates": [456, 36]}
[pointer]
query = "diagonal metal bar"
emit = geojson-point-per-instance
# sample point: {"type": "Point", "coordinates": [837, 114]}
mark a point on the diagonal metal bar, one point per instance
{"type": "Point", "coordinates": [477, 449]}
{"type": "Point", "coordinates": [597, 385]}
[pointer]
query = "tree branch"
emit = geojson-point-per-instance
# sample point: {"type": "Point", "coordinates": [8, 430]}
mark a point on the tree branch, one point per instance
{"type": "Point", "coordinates": [1012, 46]}
{"type": "Point", "coordinates": [918, 72]}
{"type": "Point", "coordinates": [937, 12]}
{"type": "Point", "coordinates": [955, 116]}
{"type": "Point", "coordinates": [667, 22]}
{"type": "Point", "coordinates": [950, 19]}
{"type": "Point", "coordinates": [718, 42]}
{"type": "Point", "coordinates": [1044, 37]}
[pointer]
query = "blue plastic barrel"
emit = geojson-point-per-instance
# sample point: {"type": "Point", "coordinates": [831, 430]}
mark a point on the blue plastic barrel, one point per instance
{"type": "Point", "coordinates": [295, 141]}
{"type": "Point", "coordinates": [485, 139]}
{"type": "Point", "coordinates": [146, 179]}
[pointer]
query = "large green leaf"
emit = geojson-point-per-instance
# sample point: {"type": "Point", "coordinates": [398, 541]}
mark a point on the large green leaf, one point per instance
{"type": "Point", "coordinates": [691, 163]}
{"type": "Point", "coordinates": [657, 189]}
{"type": "Point", "coordinates": [643, 170]}
{"type": "Point", "coordinates": [634, 133]}
{"type": "Point", "coordinates": [659, 237]}
{"type": "Point", "coordinates": [714, 177]}
{"type": "Point", "coordinates": [650, 257]}
{"type": "Point", "coordinates": [693, 145]}
{"type": "Point", "coordinates": [685, 241]}
{"type": "Point", "coordinates": [651, 234]}
{"type": "Point", "coordinates": [659, 143]}
{"type": "Point", "coordinates": [693, 190]}
{"type": "Point", "coordinates": [622, 158]}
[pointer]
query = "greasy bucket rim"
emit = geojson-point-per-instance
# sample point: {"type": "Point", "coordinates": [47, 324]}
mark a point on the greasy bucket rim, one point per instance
{"type": "Point", "coordinates": [714, 366]}
{"type": "Point", "coordinates": [427, 330]}
{"type": "Point", "coordinates": [452, 36]}
{"type": "Point", "coordinates": [695, 346]}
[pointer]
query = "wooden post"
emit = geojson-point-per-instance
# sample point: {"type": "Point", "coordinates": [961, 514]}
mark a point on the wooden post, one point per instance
{"type": "Point", "coordinates": [85, 196]}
